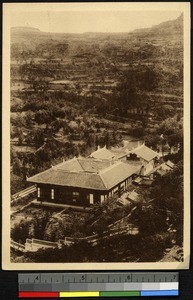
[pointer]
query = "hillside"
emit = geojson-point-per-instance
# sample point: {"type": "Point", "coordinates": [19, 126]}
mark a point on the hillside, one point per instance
{"type": "Point", "coordinates": [168, 28]}
{"type": "Point", "coordinates": [160, 47]}
{"type": "Point", "coordinates": [73, 92]}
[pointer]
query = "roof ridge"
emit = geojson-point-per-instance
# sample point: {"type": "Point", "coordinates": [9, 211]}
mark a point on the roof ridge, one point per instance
{"type": "Point", "coordinates": [77, 171]}
{"type": "Point", "coordinates": [99, 149]}
{"type": "Point", "coordinates": [77, 174]}
{"type": "Point", "coordinates": [84, 170]}
{"type": "Point", "coordinates": [118, 162]}
{"type": "Point", "coordinates": [125, 171]}
{"type": "Point", "coordinates": [150, 149]}
{"type": "Point", "coordinates": [66, 162]}
{"type": "Point", "coordinates": [78, 160]}
{"type": "Point", "coordinates": [40, 173]}
{"type": "Point", "coordinates": [102, 180]}
{"type": "Point", "coordinates": [137, 148]}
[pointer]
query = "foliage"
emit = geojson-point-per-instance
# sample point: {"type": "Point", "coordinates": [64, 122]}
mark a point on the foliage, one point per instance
{"type": "Point", "coordinates": [129, 248]}
{"type": "Point", "coordinates": [21, 231]}
{"type": "Point", "coordinates": [161, 208]}
{"type": "Point", "coordinates": [33, 228]}
{"type": "Point", "coordinates": [60, 227]}
{"type": "Point", "coordinates": [144, 101]}
{"type": "Point", "coordinates": [102, 215]}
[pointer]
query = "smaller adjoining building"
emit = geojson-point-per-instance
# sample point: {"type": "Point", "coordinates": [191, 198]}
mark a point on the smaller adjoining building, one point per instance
{"type": "Point", "coordinates": [132, 153]}
{"type": "Point", "coordinates": [146, 156]}
{"type": "Point", "coordinates": [84, 181]}
{"type": "Point", "coordinates": [103, 153]}
{"type": "Point", "coordinates": [163, 169]}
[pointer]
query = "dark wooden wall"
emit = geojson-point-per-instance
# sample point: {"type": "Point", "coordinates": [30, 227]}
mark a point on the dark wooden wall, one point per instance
{"type": "Point", "coordinates": [67, 195]}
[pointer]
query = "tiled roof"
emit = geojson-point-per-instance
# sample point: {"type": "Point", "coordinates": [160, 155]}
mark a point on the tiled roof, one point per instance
{"type": "Point", "coordinates": [118, 152]}
{"type": "Point", "coordinates": [118, 173]}
{"type": "Point", "coordinates": [65, 178]}
{"type": "Point", "coordinates": [145, 153]}
{"type": "Point", "coordinates": [83, 164]}
{"type": "Point", "coordinates": [170, 164]}
{"type": "Point", "coordinates": [161, 172]}
{"type": "Point", "coordinates": [93, 165]}
{"type": "Point", "coordinates": [102, 153]}
{"type": "Point", "coordinates": [70, 165]}
{"type": "Point", "coordinates": [164, 168]}
{"type": "Point", "coordinates": [101, 175]}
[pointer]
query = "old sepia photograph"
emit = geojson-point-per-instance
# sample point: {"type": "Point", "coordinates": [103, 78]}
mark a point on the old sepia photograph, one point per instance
{"type": "Point", "coordinates": [96, 136]}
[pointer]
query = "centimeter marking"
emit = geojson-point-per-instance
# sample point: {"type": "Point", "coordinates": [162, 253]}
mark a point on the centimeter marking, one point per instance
{"type": "Point", "coordinates": [125, 284]}
{"type": "Point", "coordinates": [98, 277]}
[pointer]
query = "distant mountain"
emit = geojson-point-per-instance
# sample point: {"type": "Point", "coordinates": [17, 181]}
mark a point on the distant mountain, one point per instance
{"type": "Point", "coordinates": [29, 36]}
{"type": "Point", "coordinates": [173, 26]}
{"type": "Point", "coordinates": [165, 28]}
{"type": "Point", "coordinates": [24, 29]}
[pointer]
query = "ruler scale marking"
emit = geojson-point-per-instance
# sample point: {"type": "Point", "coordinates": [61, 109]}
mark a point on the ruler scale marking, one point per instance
{"type": "Point", "coordinates": [98, 284]}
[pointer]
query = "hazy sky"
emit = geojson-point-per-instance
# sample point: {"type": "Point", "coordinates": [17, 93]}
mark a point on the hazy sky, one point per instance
{"type": "Point", "coordinates": [91, 21]}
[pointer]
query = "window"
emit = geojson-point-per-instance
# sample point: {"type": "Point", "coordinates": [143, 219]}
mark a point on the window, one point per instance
{"type": "Point", "coordinates": [91, 199]}
{"type": "Point", "coordinates": [115, 191]}
{"type": "Point", "coordinates": [102, 198]}
{"type": "Point", "coordinates": [75, 194]}
{"type": "Point", "coordinates": [38, 192]}
{"type": "Point", "coordinates": [52, 194]}
{"type": "Point", "coordinates": [110, 194]}
{"type": "Point", "coordinates": [122, 187]}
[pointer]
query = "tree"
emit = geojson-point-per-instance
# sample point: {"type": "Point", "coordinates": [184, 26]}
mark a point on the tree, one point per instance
{"type": "Point", "coordinates": [170, 126]}
{"type": "Point", "coordinates": [148, 79]}
{"type": "Point", "coordinates": [38, 137]}
{"type": "Point", "coordinates": [168, 192]}
{"type": "Point", "coordinates": [152, 140]}
{"type": "Point", "coordinates": [20, 231]}
{"type": "Point", "coordinates": [20, 139]}
{"type": "Point", "coordinates": [17, 166]}
{"type": "Point", "coordinates": [40, 225]}
{"type": "Point", "coordinates": [161, 207]}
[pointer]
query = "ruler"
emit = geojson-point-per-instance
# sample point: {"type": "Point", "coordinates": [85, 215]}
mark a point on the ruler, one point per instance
{"type": "Point", "coordinates": [99, 284]}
